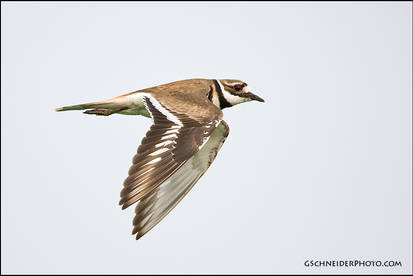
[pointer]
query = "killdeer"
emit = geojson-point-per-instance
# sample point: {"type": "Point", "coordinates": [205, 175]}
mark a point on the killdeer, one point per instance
{"type": "Point", "coordinates": [184, 139]}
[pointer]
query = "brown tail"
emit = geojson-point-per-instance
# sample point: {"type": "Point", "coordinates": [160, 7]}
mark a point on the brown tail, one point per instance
{"type": "Point", "coordinates": [76, 107]}
{"type": "Point", "coordinates": [107, 104]}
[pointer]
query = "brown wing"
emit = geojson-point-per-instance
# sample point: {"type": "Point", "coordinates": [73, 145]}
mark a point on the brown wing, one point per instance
{"type": "Point", "coordinates": [157, 204]}
{"type": "Point", "coordinates": [171, 141]}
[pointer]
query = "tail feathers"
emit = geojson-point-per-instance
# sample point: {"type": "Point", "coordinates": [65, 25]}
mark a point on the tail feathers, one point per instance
{"type": "Point", "coordinates": [104, 104]}
{"type": "Point", "coordinates": [74, 107]}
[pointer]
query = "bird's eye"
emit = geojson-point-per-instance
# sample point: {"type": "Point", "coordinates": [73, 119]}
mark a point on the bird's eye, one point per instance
{"type": "Point", "coordinates": [237, 87]}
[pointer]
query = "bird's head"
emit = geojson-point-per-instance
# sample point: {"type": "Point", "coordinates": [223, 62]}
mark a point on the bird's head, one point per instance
{"type": "Point", "coordinates": [236, 91]}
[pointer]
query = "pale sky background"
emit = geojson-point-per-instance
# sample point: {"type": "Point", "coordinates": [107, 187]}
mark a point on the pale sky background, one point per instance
{"type": "Point", "coordinates": [321, 171]}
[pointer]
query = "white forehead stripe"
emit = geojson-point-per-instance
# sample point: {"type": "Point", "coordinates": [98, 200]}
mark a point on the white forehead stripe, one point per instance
{"type": "Point", "coordinates": [246, 89]}
{"type": "Point", "coordinates": [235, 83]}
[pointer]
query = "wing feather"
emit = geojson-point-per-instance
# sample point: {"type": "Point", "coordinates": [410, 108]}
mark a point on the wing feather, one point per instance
{"type": "Point", "coordinates": [170, 142]}
{"type": "Point", "coordinates": [156, 205]}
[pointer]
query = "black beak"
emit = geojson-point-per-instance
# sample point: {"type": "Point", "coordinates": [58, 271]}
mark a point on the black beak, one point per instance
{"type": "Point", "coordinates": [254, 97]}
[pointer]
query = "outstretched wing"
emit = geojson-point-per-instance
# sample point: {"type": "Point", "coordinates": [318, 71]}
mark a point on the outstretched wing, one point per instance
{"type": "Point", "coordinates": [158, 203]}
{"type": "Point", "coordinates": [171, 141]}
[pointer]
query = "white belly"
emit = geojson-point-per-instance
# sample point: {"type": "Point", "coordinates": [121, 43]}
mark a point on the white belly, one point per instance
{"type": "Point", "coordinates": [135, 104]}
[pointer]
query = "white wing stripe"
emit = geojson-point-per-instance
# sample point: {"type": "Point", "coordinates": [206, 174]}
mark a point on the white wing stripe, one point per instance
{"type": "Point", "coordinates": [159, 151]}
{"type": "Point", "coordinates": [172, 131]}
{"type": "Point", "coordinates": [155, 160]}
{"type": "Point", "coordinates": [171, 117]}
{"type": "Point", "coordinates": [164, 143]}
{"type": "Point", "coordinates": [169, 136]}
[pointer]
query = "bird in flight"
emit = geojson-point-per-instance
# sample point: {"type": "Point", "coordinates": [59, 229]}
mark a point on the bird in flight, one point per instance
{"type": "Point", "coordinates": [184, 139]}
